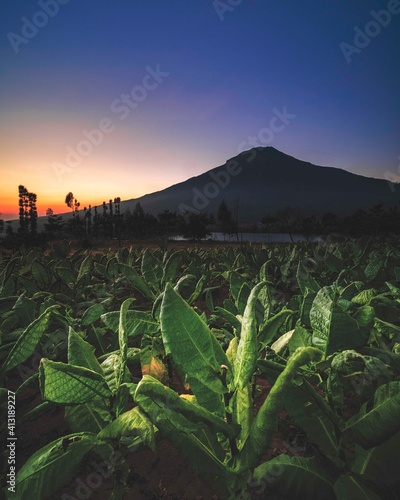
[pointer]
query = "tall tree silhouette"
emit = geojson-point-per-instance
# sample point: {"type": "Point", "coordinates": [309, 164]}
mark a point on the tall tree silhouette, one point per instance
{"type": "Point", "coordinates": [226, 221]}
{"type": "Point", "coordinates": [27, 211]}
{"type": "Point", "coordinates": [74, 205]}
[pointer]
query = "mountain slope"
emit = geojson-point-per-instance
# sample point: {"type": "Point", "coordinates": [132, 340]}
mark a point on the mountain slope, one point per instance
{"type": "Point", "coordinates": [264, 180]}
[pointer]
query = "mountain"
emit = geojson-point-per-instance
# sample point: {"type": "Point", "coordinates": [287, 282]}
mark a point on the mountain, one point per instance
{"type": "Point", "coordinates": [263, 180]}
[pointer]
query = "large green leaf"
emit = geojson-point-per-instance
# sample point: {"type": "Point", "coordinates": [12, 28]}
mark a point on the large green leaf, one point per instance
{"type": "Point", "coordinates": [69, 384]}
{"type": "Point", "coordinates": [387, 329]}
{"type": "Point", "coordinates": [230, 318]}
{"type": "Point", "coordinates": [294, 477]}
{"type": "Point", "coordinates": [111, 368]}
{"type": "Point", "coordinates": [198, 290]}
{"type": "Point", "coordinates": [92, 314]}
{"type": "Point", "coordinates": [210, 399]}
{"type": "Point", "coordinates": [86, 268]}
{"type": "Point", "coordinates": [112, 268]}
{"type": "Point", "coordinates": [375, 264]}
{"type": "Point", "coordinates": [365, 317]}
{"type": "Point", "coordinates": [243, 298]}
{"type": "Point", "coordinates": [269, 330]}
{"type": "Point", "coordinates": [25, 309]}
{"type": "Point", "coordinates": [159, 393]}
{"type": "Point", "coordinates": [152, 271]}
{"type": "Point", "coordinates": [131, 423]}
{"type": "Point", "coordinates": [190, 342]}
{"type": "Point", "coordinates": [305, 307]}
{"type": "Point", "coordinates": [282, 342]}
{"type": "Point", "coordinates": [335, 329]}
{"type": "Point", "coordinates": [137, 322]}
{"type": "Point", "coordinates": [242, 412]}
{"type": "Point", "coordinates": [364, 373]}
{"type": "Point", "coordinates": [348, 487]}
{"type": "Point", "coordinates": [123, 340]}
{"type": "Point", "coordinates": [171, 267]}
{"type": "Point", "coordinates": [264, 426]}
{"type": "Point", "coordinates": [28, 340]}
{"type": "Point", "coordinates": [300, 338]}
{"type": "Point", "coordinates": [364, 297]}
{"type": "Point", "coordinates": [380, 464]}
{"type": "Point", "coordinates": [81, 353]}
{"type": "Point", "coordinates": [185, 436]}
{"type": "Point", "coordinates": [313, 414]}
{"type": "Point", "coordinates": [88, 417]}
{"type": "Point", "coordinates": [53, 466]}
{"type": "Point", "coordinates": [9, 269]}
{"type": "Point", "coordinates": [305, 280]}
{"type": "Point", "coordinates": [136, 281]}
{"type": "Point", "coordinates": [235, 283]}
{"type": "Point", "coordinates": [247, 351]}
{"type": "Point", "coordinates": [371, 427]}
{"type": "Point", "coordinates": [40, 274]}
{"type": "Point", "coordinates": [66, 275]}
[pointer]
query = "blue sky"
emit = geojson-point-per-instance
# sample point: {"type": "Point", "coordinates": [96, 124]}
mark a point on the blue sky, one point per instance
{"type": "Point", "coordinates": [228, 65]}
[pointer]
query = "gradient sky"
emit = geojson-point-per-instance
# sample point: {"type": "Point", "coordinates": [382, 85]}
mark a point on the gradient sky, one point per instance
{"type": "Point", "coordinates": [227, 72]}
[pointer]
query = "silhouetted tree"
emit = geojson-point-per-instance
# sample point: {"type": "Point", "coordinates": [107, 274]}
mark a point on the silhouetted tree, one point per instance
{"type": "Point", "coordinates": [104, 219]}
{"type": "Point", "coordinates": [23, 203]}
{"type": "Point", "coordinates": [268, 223]}
{"type": "Point", "coordinates": [195, 226]}
{"type": "Point", "coordinates": [96, 223]}
{"type": "Point", "coordinates": [69, 200]}
{"type": "Point", "coordinates": [309, 226]}
{"type": "Point", "coordinates": [225, 219]}
{"type": "Point", "coordinates": [9, 229]}
{"type": "Point", "coordinates": [54, 225]}
{"type": "Point", "coordinates": [110, 219]}
{"type": "Point", "coordinates": [357, 223]}
{"type": "Point", "coordinates": [89, 221]}
{"type": "Point", "coordinates": [33, 215]}
{"type": "Point", "coordinates": [74, 205]}
{"type": "Point", "coordinates": [117, 203]}
{"type": "Point", "coordinates": [290, 219]}
{"type": "Point", "coordinates": [376, 215]}
{"type": "Point", "coordinates": [168, 222]}
{"type": "Point", "coordinates": [27, 211]}
{"type": "Point", "coordinates": [330, 222]}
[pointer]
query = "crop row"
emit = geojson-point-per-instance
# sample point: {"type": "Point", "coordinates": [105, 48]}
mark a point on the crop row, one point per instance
{"type": "Point", "coordinates": [105, 336]}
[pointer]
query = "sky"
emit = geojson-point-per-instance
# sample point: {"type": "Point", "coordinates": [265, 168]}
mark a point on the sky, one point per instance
{"type": "Point", "coordinates": [123, 98]}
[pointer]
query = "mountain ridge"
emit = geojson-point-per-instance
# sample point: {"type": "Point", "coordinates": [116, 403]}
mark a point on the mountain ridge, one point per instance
{"type": "Point", "coordinates": [267, 181]}
{"type": "Point", "coordinates": [260, 181]}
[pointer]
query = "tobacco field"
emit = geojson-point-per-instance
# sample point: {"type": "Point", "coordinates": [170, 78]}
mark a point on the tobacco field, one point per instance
{"type": "Point", "coordinates": [273, 371]}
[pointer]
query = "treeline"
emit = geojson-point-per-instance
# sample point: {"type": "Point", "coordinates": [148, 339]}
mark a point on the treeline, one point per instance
{"type": "Point", "coordinates": [378, 220]}
{"type": "Point", "coordinates": [107, 221]}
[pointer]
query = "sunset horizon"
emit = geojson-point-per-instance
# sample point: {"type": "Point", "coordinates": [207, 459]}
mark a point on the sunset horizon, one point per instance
{"type": "Point", "coordinates": [173, 91]}
{"type": "Point", "coordinates": [58, 207]}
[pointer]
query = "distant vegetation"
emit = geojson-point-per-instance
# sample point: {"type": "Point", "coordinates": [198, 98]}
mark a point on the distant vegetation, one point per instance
{"type": "Point", "coordinates": [107, 222]}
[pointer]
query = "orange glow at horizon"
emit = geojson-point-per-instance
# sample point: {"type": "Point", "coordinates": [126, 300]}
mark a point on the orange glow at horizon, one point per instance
{"type": "Point", "coordinates": [125, 165]}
